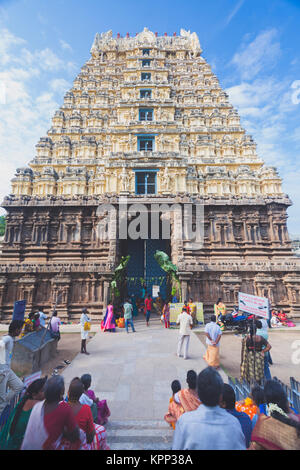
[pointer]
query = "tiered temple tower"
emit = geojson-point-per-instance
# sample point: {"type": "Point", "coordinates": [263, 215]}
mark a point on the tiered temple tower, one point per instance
{"type": "Point", "coordinates": [145, 118]}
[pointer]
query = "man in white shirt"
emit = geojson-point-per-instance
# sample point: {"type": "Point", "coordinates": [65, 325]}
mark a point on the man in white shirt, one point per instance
{"type": "Point", "coordinates": [209, 427]}
{"type": "Point", "coordinates": [186, 322]}
{"type": "Point", "coordinates": [213, 335]}
{"type": "Point", "coordinates": [43, 317]}
{"type": "Point", "coordinates": [8, 379]}
{"type": "Point", "coordinates": [84, 332]}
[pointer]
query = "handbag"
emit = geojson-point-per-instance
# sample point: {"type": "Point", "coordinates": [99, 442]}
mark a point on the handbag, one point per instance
{"type": "Point", "coordinates": [54, 334]}
{"type": "Point", "coordinates": [87, 326]}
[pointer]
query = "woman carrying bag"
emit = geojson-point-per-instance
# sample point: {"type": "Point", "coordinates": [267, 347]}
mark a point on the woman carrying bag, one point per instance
{"type": "Point", "coordinates": [85, 329]}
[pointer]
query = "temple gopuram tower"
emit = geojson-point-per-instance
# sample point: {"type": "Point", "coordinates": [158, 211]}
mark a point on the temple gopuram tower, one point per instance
{"type": "Point", "coordinates": [146, 118]}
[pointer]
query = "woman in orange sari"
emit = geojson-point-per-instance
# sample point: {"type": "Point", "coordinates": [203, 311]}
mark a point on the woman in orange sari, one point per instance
{"type": "Point", "coordinates": [184, 400]}
{"type": "Point", "coordinates": [174, 411]}
{"type": "Point", "coordinates": [279, 430]}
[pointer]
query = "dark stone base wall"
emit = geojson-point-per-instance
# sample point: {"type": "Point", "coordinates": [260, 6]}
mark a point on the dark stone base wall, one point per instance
{"type": "Point", "coordinates": [52, 253]}
{"type": "Point", "coordinates": [75, 290]}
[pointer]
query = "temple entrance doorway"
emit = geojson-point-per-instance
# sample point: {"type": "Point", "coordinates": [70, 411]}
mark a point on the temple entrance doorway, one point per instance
{"type": "Point", "coordinates": [142, 266]}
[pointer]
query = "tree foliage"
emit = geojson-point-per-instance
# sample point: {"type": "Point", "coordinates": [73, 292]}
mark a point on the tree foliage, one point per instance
{"type": "Point", "coordinates": [2, 225]}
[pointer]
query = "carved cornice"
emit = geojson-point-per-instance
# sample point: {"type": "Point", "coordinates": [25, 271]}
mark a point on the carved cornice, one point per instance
{"type": "Point", "coordinates": [84, 200]}
{"type": "Point", "coordinates": [58, 268]}
{"type": "Point", "coordinates": [247, 267]}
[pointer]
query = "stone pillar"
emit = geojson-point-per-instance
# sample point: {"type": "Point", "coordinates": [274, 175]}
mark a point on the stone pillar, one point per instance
{"type": "Point", "coordinates": [26, 290]}
{"type": "Point", "coordinates": [185, 278]}
{"type": "Point", "coordinates": [2, 291]}
{"type": "Point", "coordinates": [60, 294]}
{"type": "Point", "coordinates": [271, 226]}
{"type": "Point", "coordinates": [246, 236]}
{"type": "Point", "coordinates": [106, 294]}
{"type": "Point", "coordinates": [292, 283]}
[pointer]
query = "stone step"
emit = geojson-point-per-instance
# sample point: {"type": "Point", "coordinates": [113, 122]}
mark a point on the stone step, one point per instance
{"type": "Point", "coordinates": [139, 435]}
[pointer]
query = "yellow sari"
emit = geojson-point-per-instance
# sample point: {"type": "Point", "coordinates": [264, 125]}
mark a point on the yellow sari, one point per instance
{"type": "Point", "coordinates": [271, 434]}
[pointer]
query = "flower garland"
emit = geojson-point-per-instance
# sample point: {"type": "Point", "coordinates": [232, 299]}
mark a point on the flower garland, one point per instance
{"type": "Point", "coordinates": [273, 407]}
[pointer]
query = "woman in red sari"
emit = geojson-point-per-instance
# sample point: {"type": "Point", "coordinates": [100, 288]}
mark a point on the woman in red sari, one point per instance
{"type": "Point", "coordinates": [51, 421]}
{"type": "Point", "coordinates": [282, 317]}
{"type": "Point", "coordinates": [166, 314]}
{"type": "Point", "coordinates": [95, 434]}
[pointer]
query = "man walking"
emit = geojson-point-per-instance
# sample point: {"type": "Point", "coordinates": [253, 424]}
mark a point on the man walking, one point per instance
{"type": "Point", "coordinates": [148, 308]}
{"type": "Point", "coordinates": [128, 309]}
{"type": "Point", "coordinates": [186, 322]}
{"type": "Point", "coordinates": [213, 335]}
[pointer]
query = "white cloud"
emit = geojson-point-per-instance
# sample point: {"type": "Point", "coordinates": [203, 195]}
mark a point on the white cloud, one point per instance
{"type": "Point", "coordinates": [7, 41]}
{"type": "Point", "coordinates": [48, 60]}
{"type": "Point", "coordinates": [260, 54]}
{"type": "Point", "coordinates": [296, 135]}
{"type": "Point", "coordinates": [65, 46]}
{"type": "Point", "coordinates": [60, 85]}
{"type": "Point", "coordinates": [27, 79]}
{"type": "Point", "coordinates": [296, 93]}
{"type": "Point", "coordinates": [234, 12]}
{"type": "Point", "coordinates": [266, 103]}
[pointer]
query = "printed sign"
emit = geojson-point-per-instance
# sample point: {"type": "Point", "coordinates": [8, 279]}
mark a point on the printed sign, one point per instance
{"type": "Point", "coordinates": [176, 309]}
{"type": "Point", "coordinates": [254, 305]}
{"type": "Point", "coordinates": [155, 291]}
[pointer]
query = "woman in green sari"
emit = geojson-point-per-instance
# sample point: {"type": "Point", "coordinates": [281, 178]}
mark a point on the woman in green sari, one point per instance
{"type": "Point", "coordinates": [12, 434]}
{"type": "Point", "coordinates": [254, 348]}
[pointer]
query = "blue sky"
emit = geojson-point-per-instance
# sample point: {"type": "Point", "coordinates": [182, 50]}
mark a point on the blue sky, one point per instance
{"type": "Point", "coordinates": [252, 46]}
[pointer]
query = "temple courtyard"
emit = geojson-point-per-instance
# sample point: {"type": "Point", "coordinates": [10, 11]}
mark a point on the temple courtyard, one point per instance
{"type": "Point", "coordinates": [134, 371]}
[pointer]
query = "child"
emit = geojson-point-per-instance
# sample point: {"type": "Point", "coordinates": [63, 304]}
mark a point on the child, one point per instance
{"type": "Point", "coordinates": [174, 411]}
{"type": "Point", "coordinates": [258, 397]}
{"type": "Point", "coordinates": [176, 387]}
{"type": "Point", "coordinates": [103, 411]}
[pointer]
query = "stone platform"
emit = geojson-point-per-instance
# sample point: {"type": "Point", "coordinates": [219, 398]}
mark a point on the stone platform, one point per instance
{"type": "Point", "coordinates": [32, 351]}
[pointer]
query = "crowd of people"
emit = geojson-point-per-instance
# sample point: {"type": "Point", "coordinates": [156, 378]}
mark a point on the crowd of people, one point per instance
{"type": "Point", "coordinates": [145, 304]}
{"type": "Point", "coordinates": [46, 419]}
{"type": "Point", "coordinates": [279, 318]}
{"type": "Point", "coordinates": [206, 416]}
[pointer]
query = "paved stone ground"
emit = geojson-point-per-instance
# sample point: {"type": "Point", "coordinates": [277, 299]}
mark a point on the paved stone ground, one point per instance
{"type": "Point", "coordinates": [133, 372]}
